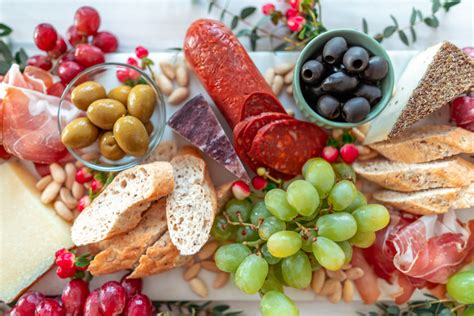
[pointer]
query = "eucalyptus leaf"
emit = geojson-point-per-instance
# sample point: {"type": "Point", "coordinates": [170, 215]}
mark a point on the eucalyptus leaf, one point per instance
{"type": "Point", "coordinates": [413, 34]}
{"type": "Point", "coordinates": [234, 23]}
{"type": "Point", "coordinates": [243, 32]}
{"type": "Point", "coordinates": [431, 21]}
{"type": "Point", "coordinates": [4, 67]}
{"type": "Point", "coordinates": [253, 39]}
{"type": "Point", "coordinates": [448, 4]}
{"type": "Point", "coordinates": [389, 30]}
{"type": "Point", "coordinates": [246, 12]}
{"type": "Point", "coordinates": [365, 27]}
{"type": "Point", "coordinates": [420, 15]}
{"type": "Point", "coordinates": [209, 9]}
{"type": "Point", "coordinates": [222, 16]}
{"type": "Point", "coordinates": [435, 6]}
{"type": "Point", "coordinates": [413, 17]}
{"type": "Point", "coordinates": [21, 57]}
{"type": "Point", "coordinates": [403, 37]}
{"type": "Point", "coordinates": [5, 30]}
{"type": "Point", "coordinates": [395, 22]}
{"type": "Point", "coordinates": [5, 53]}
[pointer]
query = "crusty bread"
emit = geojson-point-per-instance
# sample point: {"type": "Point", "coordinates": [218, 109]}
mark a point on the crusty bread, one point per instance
{"type": "Point", "coordinates": [191, 207]}
{"type": "Point", "coordinates": [165, 151]}
{"type": "Point", "coordinates": [119, 207]}
{"type": "Point", "coordinates": [160, 257]}
{"type": "Point", "coordinates": [451, 172]}
{"type": "Point", "coordinates": [123, 251]}
{"type": "Point", "coordinates": [224, 194]}
{"type": "Point", "coordinates": [434, 201]}
{"type": "Point", "coordinates": [427, 143]}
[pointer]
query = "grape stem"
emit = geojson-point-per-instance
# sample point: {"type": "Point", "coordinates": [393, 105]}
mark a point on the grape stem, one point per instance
{"type": "Point", "coordinates": [306, 230]}
{"type": "Point", "coordinates": [240, 222]}
{"type": "Point", "coordinates": [255, 244]}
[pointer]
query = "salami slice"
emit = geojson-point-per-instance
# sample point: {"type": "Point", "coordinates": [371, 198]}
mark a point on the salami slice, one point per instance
{"type": "Point", "coordinates": [287, 144]}
{"type": "Point", "coordinates": [258, 103]}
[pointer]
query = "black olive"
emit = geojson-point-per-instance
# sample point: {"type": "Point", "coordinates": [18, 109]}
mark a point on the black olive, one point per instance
{"type": "Point", "coordinates": [334, 49]}
{"type": "Point", "coordinates": [319, 58]}
{"type": "Point", "coordinates": [376, 70]}
{"type": "Point", "coordinates": [372, 93]}
{"type": "Point", "coordinates": [355, 59]}
{"type": "Point", "coordinates": [316, 92]}
{"type": "Point", "coordinates": [312, 71]}
{"type": "Point", "coordinates": [328, 107]}
{"type": "Point", "coordinates": [339, 82]}
{"type": "Point", "coordinates": [355, 109]}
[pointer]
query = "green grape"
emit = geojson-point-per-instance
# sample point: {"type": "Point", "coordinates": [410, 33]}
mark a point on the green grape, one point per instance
{"type": "Point", "coordinates": [221, 230]}
{"type": "Point", "coordinates": [347, 248]}
{"type": "Point", "coordinates": [461, 287]}
{"type": "Point", "coordinates": [307, 244]}
{"type": "Point", "coordinates": [328, 253]}
{"type": "Point", "coordinates": [229, 257]}
{"type": "Point", "coordinates": [342, 195]}
{"type": "Point", "coordinates": [242, 207]}
{"type": "Point", "coordinates": [363, 240]}
{"type": "Point", "coordinates": [296, 270]}
{"type": "Point", "coordinates": [320, 174]}
{"type": "Point", "coordinates": [314, 263]}
{"type": "Point", "coordinates": [270, 226]}
{"type": "Point", "coordinates": [259, 212]}
{"type": "Point", "coordinates": [303, 197]}
{"type": "Point", "coordinates": [268, 256]}
{"type": "Point", "coordinates": [344, 172]}
{"type": "Point", "coordinates": [271, 283]}
{"type": "Point", "coordinates": [359, 200]}
{"type": "Point", "coordinates": [371, 217]}
{"type": "Point", "coordinates": [245, 233]}
{"type": "Point", "coordinates": [251, 274]}
{"type": "Point", "coordinates": [469, 311]}
{"type": "Point", "coordinates": [284, 243]}
{"type": "Point", "coordinates": [337, 226]}
{"type": "Point", "coordinates": [275, 303]}
{"type": "Point", "coordinates": [277, 204]}
{"type": "Point", "coordinates": [276, 271]}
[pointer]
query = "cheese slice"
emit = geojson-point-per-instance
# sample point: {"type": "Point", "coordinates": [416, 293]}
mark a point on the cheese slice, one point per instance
{"type": "Point", "coordinates": [30, 232]}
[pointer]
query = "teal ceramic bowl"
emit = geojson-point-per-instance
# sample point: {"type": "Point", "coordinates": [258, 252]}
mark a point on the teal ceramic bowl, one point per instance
{"type": "Point", "coordinates": [353, 38]}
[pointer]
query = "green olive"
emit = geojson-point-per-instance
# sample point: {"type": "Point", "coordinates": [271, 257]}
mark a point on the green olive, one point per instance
{"type": "Point", "coordinates": [149, 128]}
{"type": "Point", "coordinates": [86, 93]}
{"type": "Point", "coordinates": [109, 148]}
{"type": "Point", "coordinates": [120, 94]}
{"type": "Point", "coordinates": [131, 135]}
{"type": "Point", "coordinates": [141, 102]}
{"type": "Point", "coordinates": [105, 112]}
{"type": "Point", "coordinates": [79, 133]}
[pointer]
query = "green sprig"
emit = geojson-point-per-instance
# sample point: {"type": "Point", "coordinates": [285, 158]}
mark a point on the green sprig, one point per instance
{"type": "Point", "coordinates": [187, 308]}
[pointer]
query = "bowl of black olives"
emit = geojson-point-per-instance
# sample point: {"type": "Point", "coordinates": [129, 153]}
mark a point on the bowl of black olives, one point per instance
{"type": "Point", "coordinates": [343, 78]}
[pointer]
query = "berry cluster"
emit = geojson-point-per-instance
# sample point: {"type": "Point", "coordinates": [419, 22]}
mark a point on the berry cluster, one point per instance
{"type": "Point", "coordinates": [341, 146]}
{"type": "Point", "coordinates": [129, 75]}
{"type": "Point", "coordinates": [294, 16]}
{"type": "Point", "coordinates": [94, 182]}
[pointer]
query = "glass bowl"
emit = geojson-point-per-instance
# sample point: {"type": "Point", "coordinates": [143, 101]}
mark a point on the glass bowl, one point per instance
{"type": "Point", "coordinates": [105, 74]}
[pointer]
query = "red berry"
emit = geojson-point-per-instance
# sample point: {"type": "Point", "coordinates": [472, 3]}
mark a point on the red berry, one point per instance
{"type": "Point", "coordinates": [240, 189]}
{"type": "Point", "coordinates": [27, 303]}
{"type": "Point", "coordinates": [65, 259]}
{"type": "Point", "coordinates": [139, 305]}
{"type": "Point", "coordinates": [49, 307]}
{"type": "Point", "coordinates": [133, 74]}
{"type": "Point", "coordinates": [141, 52]}
{"type": "Point", "coordinates": [65, 273]}
{"type": "Point", "coordinates": [330, 154]}
{"type": "Point", "coordinates": [87, 20]}
{"type": "Point", "coordinates": [68, 70]}
{"type": "Point", "coordinates": [296, 23]}
{"type": "Point", "coordinates": [73, 36]}
{"type": "Point", "coordinates": [40, 61]}
{"type": "Point", "coordinates": [92, 306]}
{"type": "Point", "coordinates": [106, 41]}
{"type": "Point", "coordinates": [462, 112]}
{"type": "Point", "coordinates": [88, 55]}
{"type": "Point", "coordinates": [294, 3]}
{"type": "Point", "coordinates": [291, 12]}
{"type": "Point", "coordinates": [83, 175]}
{"type": "Point", "coordinates": [131, 286]}
{"type": "Point", "coordinates": [45, 36]}
{"type": "Point", "coordinates": [84, 202]}
{"type": "Point", "coordinates": [132, 61]}
{"type": "Point", "coordinates": [268, 8]}
{"type": "Point", "coordinates": [59, 49]}
{"type": "Point", "coordinates": [56, 89]}
{"type": "Point", "coordinates": [96, 185]}
{"type": "Point", "coordinates": [112, 298]}
{"type": "Point", "coordinates": [74, 297]}
{"type": "Point", "coordinates": [349, 153]}
{"type": "Point", "coordinates": [122, 75]}
{"type": "Point", "coordinates": [259, 183]}
{"type": "Point", "coordinates": [60, 252]}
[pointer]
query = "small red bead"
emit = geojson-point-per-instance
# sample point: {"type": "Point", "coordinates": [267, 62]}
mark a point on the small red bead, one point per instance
{"type": "Point", "coordinates": [60, 252]}
{"type": "Point", "coordinates": [65, 260]}
{"type": "Point", "coordinates": [291, 12]}
{"type": "Point", "coordinates": [123, 75]}
{"type": "Point", "coordinates": [133, 74]}
{"type": "Point", "coordinates": [132, 61]}
{"type": "Point", "coordinates": [268, 8]}
{"type": "Point", "coordinates": [330, 154]}
{"type": "Point", "coordinates": [83, 175]}
{"type": "Point", "coordinates": [349, 153]}
{"type": "Point", "coordinates": [96, 185]}
{"type": "Point", "coordinates": [65, 273]}
{"type": "Point", "coordinates": [141, 52]}
{"type": "Point", "coordinates": [296, 23]}
{"type": "Point", "coordinates": [84, 202]}
{"type": "Point", "coordinates": [259, 183]}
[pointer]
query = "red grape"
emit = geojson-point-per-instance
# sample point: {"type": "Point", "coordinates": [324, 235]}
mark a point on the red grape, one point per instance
{"type": "Point", "coordinates": [59, 49]}
{"type": "Point", "coordinates": [68, 70]}
{"type": "Point", "coordinates": [88, 55]}
{"type": "Point", "coordinates": [112, 298]}
{"type": "Point", "coordinates": [45, 36]}
{"type": "Point", "coordinates": [69, 56]}
{"type": "Point", "coordinates": [56, 89]}
{"type": "Point", "coordinates": [27, 303]}
{"type": "Point", "coordinates": [106, 41]}
{"type": "Point", "coordinates": [49, 307]}
{"type": "Point", "coordinates": [40, 61]}
{"type": "Point", "coordinates": [74, 297]}
{"type": "Point", "coordinates": [462, 112]}
{"type": "Point", "coordinates": [330, 154]}
{"type": "Point", "coordinates": [139, 305]}
{"type": "Point", "coordinates": [87, 20]}
{"type": "Point", "coordinates": [131, 286]}
{"type": "Point", "coordinates": [73, 36]}
{"type": "Point", "coordinates": [92, 307]}
{"type": "Point", "coordinates": [349, 153]}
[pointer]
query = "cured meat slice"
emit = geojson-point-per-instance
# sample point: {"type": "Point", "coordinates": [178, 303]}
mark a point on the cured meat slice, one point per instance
{"type": "Point", "coordinates": [228, 74]}
{"type": "Point", "coordinates": [198, 124]}
{"type": "Point", "coordinates": [287, 144]}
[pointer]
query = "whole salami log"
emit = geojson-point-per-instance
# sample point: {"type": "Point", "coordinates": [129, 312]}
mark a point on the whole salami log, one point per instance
{"type": "Point", "coordinates": [227, 72]}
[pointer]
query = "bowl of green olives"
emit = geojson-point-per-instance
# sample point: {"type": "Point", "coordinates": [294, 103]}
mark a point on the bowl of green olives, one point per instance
{"type": "Point", "coordinates": [343, 78]}
{"type": "Point", "coordinates": [107, 125]}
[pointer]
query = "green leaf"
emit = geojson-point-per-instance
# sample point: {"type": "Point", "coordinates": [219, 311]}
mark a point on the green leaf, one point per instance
{"type": "Point", "coordinates": [253, 39]}
{"type": "Point", "coordinates": [275, 17]}
{"type": "Point", "coordinates": [347, 138]}
{"type": "Point", "coordinates": [21, 57]}
{"type": "Point", "coordinates": [393, 310]}
{"type": "Point", "coordinates": [413, 17]}
{"type": "Point", "coordinates": [365, 27]}
{"type": "Point", "coordinates": [176, 49]}
{"type": "Point", "coordinates": [332, 142]}
{"type": "Point", "coordinates": [221, 18]}
{"type": "Point", "coordinates": [389, 30]}
{"type": "Point", "coordinates": [448, 4]}
{"type": "Point", "coordinates": [243, 32]}
{"type": "Point", "coordinates": [246, 12]}
{"type": "Point", "coordinates": [5, 52]}
{"type": "Point", "coordinates": [432, 21]}
{"type": "Point", "coordinates": [435, 6]}
{"type": "Point", "coordinates": [413, 34]}
{"type": "Point", "coordinates": [403, 37]}
{"type": "Point", "coordinates": [234, 23]}
{"type": "Point", "coordinates": [4, 67]}
{"type": "Point", "coordinates": [420, 15]}
{"type": "Point", "coordinates": [395, 22]}
{"type": "Point", "coordinates": [209, 9]}
{"type": "Point", "coordinates": [5, 30]}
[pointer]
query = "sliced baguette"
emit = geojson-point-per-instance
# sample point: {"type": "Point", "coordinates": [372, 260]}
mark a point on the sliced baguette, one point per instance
{"type": "Point", "coordinates": [123, 251]}
{"type": "Point", "coordinates": [191, 207]}
{"type": "Point", "coordinates": [427, 143]}
{"type": "Point", "coordinates": [224, 194]}
{"type": "Point", "coordinates": [452, 172]}
{"type": "Point", "coordinates": [119, 207]}
{"type": "Point", "coordinates": [434, 201]}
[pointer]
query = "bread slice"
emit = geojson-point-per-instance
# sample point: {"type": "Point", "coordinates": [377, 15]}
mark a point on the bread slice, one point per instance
{"type": "Point", "coordinates": [119, 207]}
{"type": "Point", "coordinates": [191, 208]}
{"type": "Point", "coordinates": [434, 201]}
{"type": "Point", "coordinates": [123, 251]}
{"type": "Point", "coordinates": [399, 176]}
{"type": "Point", "coordinates": [165, 151]}
{"type": "Point", "coordinates": [427, 143]}
{"type": "Point", "coordinates": [160, 257]}
{"type": "Point", "coordinates": [224, 194]}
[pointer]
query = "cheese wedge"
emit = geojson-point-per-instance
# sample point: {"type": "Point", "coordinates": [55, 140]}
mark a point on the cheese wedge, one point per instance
{"type": "Point", "coordinates": [30, 232]}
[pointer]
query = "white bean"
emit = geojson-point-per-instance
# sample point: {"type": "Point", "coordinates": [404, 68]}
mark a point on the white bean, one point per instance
{"type": "Point", "coordinates": [70, 174]}
{"type": "Point", "coordinates": [269, 75]}
{"type": "Point", "coordinates": [289, 77]}
{"type": "Point", "coordinates": [50, 192]}
{"type": "Point", "coordinates": [77, 190]}
{"type": "Point", "coordinates": [277, 85]}
{"type": "Point", "coordinates": [165, 85]}
{"type": "Point", "coordinates": [43, 182]}
{"type": "Point", "coordinates": [67, 198]}
{"type": "Point", "coordinates": [57, 172]}
{"type": "Point", "coordinates": [283, 69]}
{"type": "Point", "coordinates": [178, 95]}
{"type": "Point", "coordinates": [63, 211]}
{"type": "Point", "coordinates": [167, 69]}
{"type": "Point", "coordinates": [182, 76]}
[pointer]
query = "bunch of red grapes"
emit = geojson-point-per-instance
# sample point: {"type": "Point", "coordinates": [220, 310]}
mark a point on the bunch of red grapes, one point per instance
{"type": "Point", "coordinates": [88, 45]}
{"type": "Point", "coordinates": [462, 108]}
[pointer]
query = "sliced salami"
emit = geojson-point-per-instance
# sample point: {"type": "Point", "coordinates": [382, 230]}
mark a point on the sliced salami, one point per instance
{"type": "Point", "coordinates": [286, 145]}
{"type": "Point", "coordinates": [260, 102]}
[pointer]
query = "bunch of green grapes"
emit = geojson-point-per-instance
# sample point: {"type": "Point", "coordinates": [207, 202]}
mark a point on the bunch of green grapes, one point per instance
{"type": "Point", "coordinates": [310, 223]}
